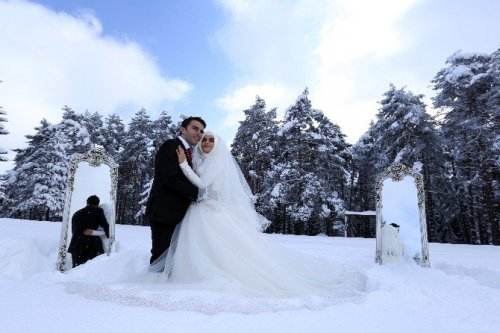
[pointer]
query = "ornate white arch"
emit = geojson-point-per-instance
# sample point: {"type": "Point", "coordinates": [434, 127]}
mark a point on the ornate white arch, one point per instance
{"type": "Point", "coordinates": [397, 172]}
{"type": "Point", "coordinates": [95, 158]}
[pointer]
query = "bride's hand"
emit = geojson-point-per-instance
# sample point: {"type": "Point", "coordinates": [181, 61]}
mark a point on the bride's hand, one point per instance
{"type": "Point", "coordinates": [181, 155]}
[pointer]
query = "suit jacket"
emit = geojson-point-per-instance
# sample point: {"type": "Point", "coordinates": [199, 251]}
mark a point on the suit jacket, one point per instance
{"type": "Point", "coordinates": [89, 217]}
{"type": "Point", "coordinates": [171, 192]}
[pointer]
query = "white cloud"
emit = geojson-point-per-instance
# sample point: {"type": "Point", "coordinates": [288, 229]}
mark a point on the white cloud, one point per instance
{"type": "Point", "coordinates": [240, 99]}
{"type": "Point", "coordinates": [328, 46]}
{"type": "Point", "coordinates": [50, 59]}
{"type": "Point", "coordinates": [270, 39]}
{"type": "Point", "coordinates": [361, 28]}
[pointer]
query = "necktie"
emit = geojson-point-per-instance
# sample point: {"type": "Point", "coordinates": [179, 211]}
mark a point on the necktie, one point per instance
{"type": "Point", "coordinates": [189, 156]}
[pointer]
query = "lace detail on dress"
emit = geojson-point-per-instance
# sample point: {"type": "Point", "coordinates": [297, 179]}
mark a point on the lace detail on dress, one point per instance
{"type": "Point", "coordinates": [206, 192]}
{"type": "Point", "coordinates": [191, 175]}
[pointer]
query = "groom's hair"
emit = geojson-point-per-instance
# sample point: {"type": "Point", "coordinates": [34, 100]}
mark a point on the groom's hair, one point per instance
{"type": "Point", "coordinates": [185, 123]}
{"type": "Point", "coordinates": [93, 200]}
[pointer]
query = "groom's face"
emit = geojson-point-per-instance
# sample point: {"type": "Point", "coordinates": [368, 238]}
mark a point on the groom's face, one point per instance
{"type": "Point", "coordinates": [192, 132]}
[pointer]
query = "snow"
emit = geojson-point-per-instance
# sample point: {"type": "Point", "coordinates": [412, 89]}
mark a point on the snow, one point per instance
{"type": "Point", "coordinates": [286, 126]}
{"type": "Point", "coordinates": [459, 55]}
{"type": "Point", "coordinates": [459, 293]}
{"type": "Point", "coordinates": [276, 190]}
{"type": "Point", "coordinates": [418, 166]}
{"type": "Point", "coordinates": [366, 212]}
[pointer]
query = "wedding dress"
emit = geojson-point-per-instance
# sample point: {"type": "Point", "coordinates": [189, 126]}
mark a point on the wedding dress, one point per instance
{"type": "Point", "coordinates": [219, 243]}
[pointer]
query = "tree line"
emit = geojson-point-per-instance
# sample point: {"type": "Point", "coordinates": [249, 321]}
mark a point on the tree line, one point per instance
{"type": "Point", "coordinates": [302, 171]}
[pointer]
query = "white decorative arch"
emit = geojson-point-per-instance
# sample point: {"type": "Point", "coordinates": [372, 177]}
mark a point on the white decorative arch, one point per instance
{"type": "Point", "coordinates": [95, 158]}
{"type": "Point", "coordinates": [396, 173]}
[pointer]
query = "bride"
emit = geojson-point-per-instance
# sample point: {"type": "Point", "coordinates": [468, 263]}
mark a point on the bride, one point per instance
{"type": "Point", "coordinates": [219, 244]}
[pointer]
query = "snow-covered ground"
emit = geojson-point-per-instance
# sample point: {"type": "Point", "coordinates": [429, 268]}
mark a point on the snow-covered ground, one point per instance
{"type": "Point", "coordinates": [459, 293]}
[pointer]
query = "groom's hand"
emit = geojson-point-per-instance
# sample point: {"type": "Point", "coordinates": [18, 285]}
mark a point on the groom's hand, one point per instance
{"type": "Point", "coordinates": [88, 232]}
{"type": "Point", "coordinates": [181, 155]}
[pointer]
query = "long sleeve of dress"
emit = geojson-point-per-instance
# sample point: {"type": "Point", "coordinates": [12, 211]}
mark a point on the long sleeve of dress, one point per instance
{"type": "Point", "coordinates": [98, 233]}
{"type": "Point", "coordinates": [192, 176]}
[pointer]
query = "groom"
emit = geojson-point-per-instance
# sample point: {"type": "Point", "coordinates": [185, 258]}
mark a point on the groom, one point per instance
{"type": "Point", "coordinates": [171, 192]}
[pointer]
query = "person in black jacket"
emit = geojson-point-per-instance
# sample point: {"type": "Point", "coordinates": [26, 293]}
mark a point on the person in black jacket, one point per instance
{"type": "Point", "coordinates": [171, 192]}
{"type": "Point", "coordinates": [84, 246]}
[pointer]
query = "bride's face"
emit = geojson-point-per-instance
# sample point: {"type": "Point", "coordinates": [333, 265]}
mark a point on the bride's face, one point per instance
{"type": "Point", "coordinates": [207, 144]}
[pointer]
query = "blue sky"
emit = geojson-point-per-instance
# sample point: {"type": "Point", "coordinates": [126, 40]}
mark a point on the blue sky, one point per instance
{"type": "Point", "coordinates": [211, 58]}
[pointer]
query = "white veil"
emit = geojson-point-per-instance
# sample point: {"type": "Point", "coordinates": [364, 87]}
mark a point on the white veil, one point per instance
{"type": "Point", "coordinates": [220, 172]}
{"type": "Point", "coordinates": [107, 213]}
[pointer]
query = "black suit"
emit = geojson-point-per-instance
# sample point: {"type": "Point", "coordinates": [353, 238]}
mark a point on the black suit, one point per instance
{"type": "Point", "coordinates": [169, 199]}
{"type": "Point", "coordinates": [82, 247]}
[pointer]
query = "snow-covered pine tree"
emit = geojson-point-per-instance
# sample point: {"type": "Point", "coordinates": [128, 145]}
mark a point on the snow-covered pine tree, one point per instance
{"type": "Point", "coordinates": [69, 113]}
{"type": "Point", "coordinates": [143, 201]}
{"type": "Point", "coordinates": [49, 177]}
{"type": "Point", "coordinates": [95, 127]}
{"type": "Point", "coordinates": [163, 129]}
{"type": "Point", "coordinates": [19, 185]}
{"type": "Point", "coordinates": [253, 146]}
{"type": "Point", "coordinates": [492, 166]}
{"type": "Point", "coordinates": [441, 227]}
{"type": "Point", "coordinates": [364, 170]}
{"type": "Point", "coordinates": [48, 166]}
{"type": "Point", "coordinates": [363, 173]}
{"type": "Point", "coordinates": [333, 167]}
{"type": "Point", "coordinates": [75, 134]}
{"type": "Point", "coordinates": [113, 136]}
{"type": "Point", "coordinates": [3, 131]}
{"type": "Point", "coordinates": [299, 200]}
{"type": "Point", "coordinates": [399, 127]}
{"type": "Point", "coordinates": [493, 99]}
{"type": "Point", "coordinates": [36, 185]}
{"type": "Point", "coordinates": [134, 169]}
{"type": "Point", "coordinates": [405, 133]}
{"type": "Point", "coordinates": [467, 95]}
{"type": "Point", "coordinates": [3, 182]}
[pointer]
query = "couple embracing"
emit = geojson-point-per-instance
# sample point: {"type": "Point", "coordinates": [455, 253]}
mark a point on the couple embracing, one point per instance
{"type": "Point", "coordinates": [198, 182]}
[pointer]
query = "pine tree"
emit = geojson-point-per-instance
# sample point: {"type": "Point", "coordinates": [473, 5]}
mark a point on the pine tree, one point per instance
{"type": "Point", "coordinates": [466, 98]}
{"type": "Point", "coordinates": [94, 125]}
{"type": "Point", "coordinates": [20, 183]}
{"type": "Point", "coordinates": [364, 171]}
{"type": "Point", "coordinates": [135, 167]}
{"type": "Point", "coordinates": [3, 131]}
{"type": "Point", "coordinates": [406, 134]}
{"type": "Point", "coordinates": [35, 188]}
{"type": "Point", "coordinates": [163, 129]}
{"type": "Point", "coordinates": [300, 200]}
{"type": "Point", "coordinates": [3, 182]}
{"type": "Point", "coordinates": [253, 145]}
{"type": "Point", "coordinates": [491, 167]}
{"type": "Point", "coordinates": [49, 177]}
{"type": "Point", "coordinates": [143, 200]}
{"type": "Point", "coordinates": [74, 132]}
{"type": "Point", "coordinates": [333, 166]}
{"type": "Point", "coordinates": [113, 136]}
{"type": "Point", "coordinates": [401, 122]}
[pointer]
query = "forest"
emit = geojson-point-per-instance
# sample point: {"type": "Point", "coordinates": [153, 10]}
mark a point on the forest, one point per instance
{"type": "Point", "coordinates": [302, 171]}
